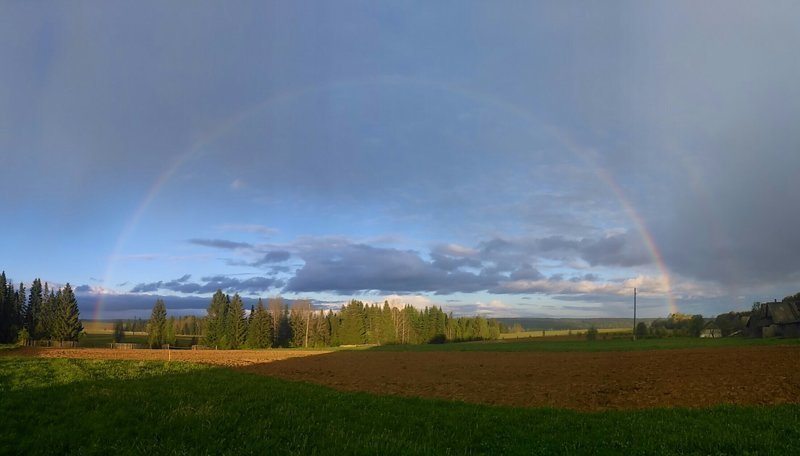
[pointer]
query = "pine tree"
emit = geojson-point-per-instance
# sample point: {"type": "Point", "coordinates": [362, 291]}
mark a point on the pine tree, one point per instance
{"type": "Point", "coordinates": [157, 325]}
{"type": "Point", "coordinates": [67, 319]}
{"type": "Point", "coordinates": [8, 328]}
{"type": "Point", "coordinates": [33, 311]}
{"type": "Point", "coordinates": [259, 331]}
{"type": "Point", "coordinates": [236, 328]}
{"type": "Point", "coordinates": [213, 329]}
{"type": "Point", "coordinates": [18, 307]}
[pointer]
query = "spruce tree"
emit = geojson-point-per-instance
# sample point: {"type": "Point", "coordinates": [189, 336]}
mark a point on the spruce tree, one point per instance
{"type": "Point", "coordinates": [67, 319]}
{"type": "Point", "coordinates": [18, 307]}
{"type": "Point", "coordinates": [33, 311]}
{"type": "Point", "coordinates": [259, 330]}
{"type": "Point", "coordinates": [213, 329]}
{"type": "Point", "coordinates": [157, 325]}
{"type": "Point", "coordinates": [236, 328]}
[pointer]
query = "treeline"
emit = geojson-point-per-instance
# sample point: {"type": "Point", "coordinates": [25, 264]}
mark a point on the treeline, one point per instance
{"type": "Point", "coordinates": [189, 325]}
{"type": "Point", "coordinates": [42, 313]}
{"type": "Point", "coordinates": [276, 324]}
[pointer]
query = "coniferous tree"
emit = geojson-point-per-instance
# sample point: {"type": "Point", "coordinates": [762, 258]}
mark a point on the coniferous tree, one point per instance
{"type": "Point", "coordinates": [322, 330]}
{"type": "Point", "coordinates": [259, 330]}
{"type": "Point", "coordinates": [284, 328]}
{"type": "Point", "coordinates": [299, 319]}
{"type": "Point", "coordinates": [213, 329]}
{"type": "Point", "coordinates": [18, 310]}
{"type": "Point", "coordinates": [67, 320]}
{"type": "Point", "coordinates": [275, 309]}
{"type": "Point", "coordinates": [33, 311]}
{"type": "Point", "coordinates": [236, 328]}
{"type": "Point", "coordinates": [157, 325]}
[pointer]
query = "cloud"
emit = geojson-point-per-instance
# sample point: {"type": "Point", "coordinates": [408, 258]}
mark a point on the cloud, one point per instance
{"type": "Point", "coordinates": [252, 285]}
{"type": "Point", "coordinates": [274, 256]}
{"type": "Point", "coordinates": [341, 266]}
{"type": "Point", "coordinates": [220, 244]}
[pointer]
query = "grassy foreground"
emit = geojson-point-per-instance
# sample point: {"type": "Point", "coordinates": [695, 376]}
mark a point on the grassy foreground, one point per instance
{"type": "Point", "coordinates": [60, 406]}
{"type": "Point", "coordinates": [582, 345]}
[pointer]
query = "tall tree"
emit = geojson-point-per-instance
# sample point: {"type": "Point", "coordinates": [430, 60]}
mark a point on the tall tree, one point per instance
{"type": "Point", "coordinates": [275, 308]}
{"type": "Point", "coordinates": [259, 330]}
{"type": "Point", "coordinates": [214, 325]}
{"type": "Point", "coordinates": [157, 325]}
{"type": "Point", "coordinates": [236, 328]}
{"type": "Point", "coordinates": [67, 319]}
{"type": "Point", "coordinates": [299, 319]}
{"type": "Point", "coordinates": [33, 311]}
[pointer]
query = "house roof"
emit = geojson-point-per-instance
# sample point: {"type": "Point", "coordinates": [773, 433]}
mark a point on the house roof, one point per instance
{"type": "Point", "coordinates": [783, 312]}
{"type": "Point", "coordinates": [775, 313]}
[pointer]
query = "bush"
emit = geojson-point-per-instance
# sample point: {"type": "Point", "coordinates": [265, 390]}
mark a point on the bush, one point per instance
{"type": "Point", "coordinates": [591, 334]}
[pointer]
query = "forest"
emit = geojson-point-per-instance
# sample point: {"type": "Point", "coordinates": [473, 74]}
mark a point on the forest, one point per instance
{"type": "Point", "coordinates": [44, 313]}
{"type": "Point", "coordinates": [275, 323]}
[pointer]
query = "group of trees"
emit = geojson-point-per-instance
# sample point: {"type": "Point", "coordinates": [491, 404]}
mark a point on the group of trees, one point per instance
{"type": "Point", "coordinates": [275, 323]}
{"type": "Point", "coordinates": [42, 313]}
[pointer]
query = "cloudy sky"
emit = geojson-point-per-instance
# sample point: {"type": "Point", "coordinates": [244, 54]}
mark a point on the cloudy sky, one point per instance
{"type": "Point", "coordinates": [507, 159]}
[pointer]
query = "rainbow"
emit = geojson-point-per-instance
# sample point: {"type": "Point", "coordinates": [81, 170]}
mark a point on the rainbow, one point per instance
{"type": "Point", "coordinates": [567, 141]}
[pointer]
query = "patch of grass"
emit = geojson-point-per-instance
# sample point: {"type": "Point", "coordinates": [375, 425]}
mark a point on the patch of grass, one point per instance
{"type": "Point", "coordinates": [101, 340]}
{"type": "Point", "coordinates": [564, 332]}
{"type": "Point", "coordinates": [550, 345]}
{"type": "Point", "coordinates": [51, 406]}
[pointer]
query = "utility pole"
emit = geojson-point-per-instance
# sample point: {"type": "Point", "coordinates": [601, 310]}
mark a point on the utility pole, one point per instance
{"type": "Point", "coordinates": [634, 314]}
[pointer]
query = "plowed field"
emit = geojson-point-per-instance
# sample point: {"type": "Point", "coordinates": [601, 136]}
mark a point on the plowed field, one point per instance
{"type": "Point", "coordinates": [580, 381]}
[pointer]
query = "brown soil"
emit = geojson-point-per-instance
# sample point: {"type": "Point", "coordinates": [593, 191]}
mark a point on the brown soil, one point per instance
{"type": "Point", "coordinates": [580, 381]}
{"type": "Point", "coordinates": [218, 357]}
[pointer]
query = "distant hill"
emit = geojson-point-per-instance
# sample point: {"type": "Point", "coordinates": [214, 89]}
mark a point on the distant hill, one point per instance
{"type": "Point", "coordinates": [531, 324]}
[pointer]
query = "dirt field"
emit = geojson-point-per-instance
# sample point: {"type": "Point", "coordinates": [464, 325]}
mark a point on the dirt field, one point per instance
{"type": "Point", "coordinates": [218, 357]}
{"type": "Point", "coordinates": [580, 381]}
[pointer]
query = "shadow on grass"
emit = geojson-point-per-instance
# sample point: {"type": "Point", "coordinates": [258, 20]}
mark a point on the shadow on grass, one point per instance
{"type": "Point", "coordinates": [212, 410]}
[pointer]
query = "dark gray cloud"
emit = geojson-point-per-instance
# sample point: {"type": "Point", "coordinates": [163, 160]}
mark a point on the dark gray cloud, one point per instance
{"type": "Point", "coordinates": [82, 289]}
{"type": "Point", "coordinates": [267, 259]}
{"type": "Point", "coordinates": [343, 267]}
{"type": "Point", "coordinates": [252, 285]}
{"type": "Point", "coordinates": [221, 244]}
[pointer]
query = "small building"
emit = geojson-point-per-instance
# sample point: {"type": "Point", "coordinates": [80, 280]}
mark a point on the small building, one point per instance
{"type": "Point", "coordinates": [711, 331]}
{"type": "Point", "coordinates": [775, 319]}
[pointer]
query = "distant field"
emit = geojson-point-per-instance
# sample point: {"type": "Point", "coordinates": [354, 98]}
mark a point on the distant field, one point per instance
{"type": "Point", "coordinates": [562, 332]}
{"type": "Point", "coordinates": [65, 406]}
{"type": "Point", "coordinates": [99, 334]}
{"type": "Point", "coordinates": [570, 345]}
{"type": "Point", "coordinates": [94, 340]}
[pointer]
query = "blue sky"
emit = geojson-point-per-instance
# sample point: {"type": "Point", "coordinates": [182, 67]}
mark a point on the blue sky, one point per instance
{"type": "Point", "coordinates": [506, 159]}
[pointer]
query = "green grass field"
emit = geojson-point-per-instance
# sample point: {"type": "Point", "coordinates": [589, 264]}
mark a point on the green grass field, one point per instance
{"type": "Point", "coordinates": [570, 345]}
{"type": "Point", "coordinates": [564, 332]}
{"type": "Point", "coordinates": [61, 406]}
{"type": "Point", "coordinates": [101, 340]}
